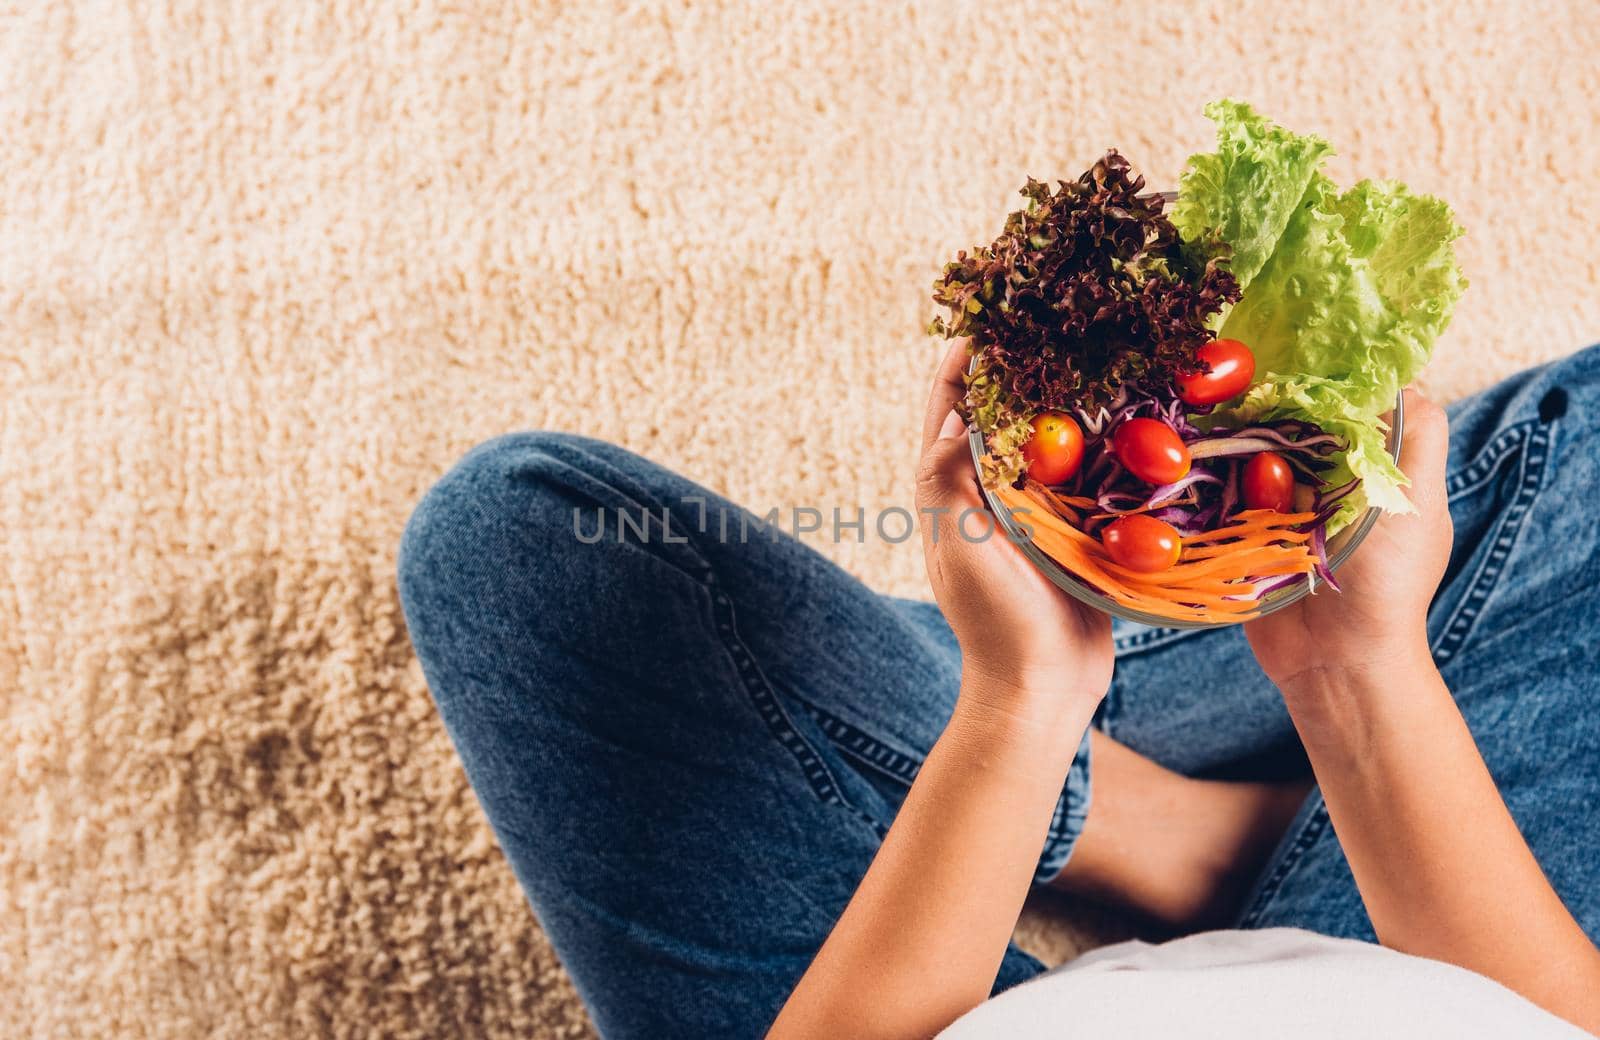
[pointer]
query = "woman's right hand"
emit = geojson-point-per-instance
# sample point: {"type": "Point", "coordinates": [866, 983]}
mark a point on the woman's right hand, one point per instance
{"type": "Point", "coordinates": [1379, 621]}
{"type": "Point", "coordinates": [1442, 869]}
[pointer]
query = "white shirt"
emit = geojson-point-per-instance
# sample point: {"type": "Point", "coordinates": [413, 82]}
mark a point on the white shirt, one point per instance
{"type": "Point", "coordinates": [1278, 983]}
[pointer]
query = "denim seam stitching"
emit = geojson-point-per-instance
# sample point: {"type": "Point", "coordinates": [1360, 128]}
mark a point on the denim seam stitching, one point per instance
{"type": "Point", "coordinates": [823, 783]}
{"type": "Point", "coordinates": [1071, 807]}
{"type": "Point", "coordinates": [864, 747]}
{"type": "Point", "coordinates": [1140, 640]}
{"type": "Point", "coordinates": [1072, 811]}
{"type": "Point", "coordinates": [1530, 477]}
{"type": "Point", "coordinates": [1310, 832]}
{"type": "Point", "coordinates": [1105, 719]}
{"type": "Point", "coordinates": [1483, 468]}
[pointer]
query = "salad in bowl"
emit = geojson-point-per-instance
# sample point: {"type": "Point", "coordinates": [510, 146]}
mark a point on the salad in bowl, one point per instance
{"type": "Point", "coordinates": [1185, 406]}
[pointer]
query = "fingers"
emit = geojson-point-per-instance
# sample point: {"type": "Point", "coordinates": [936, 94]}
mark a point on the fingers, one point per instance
{"type": "Point", "coordinates": [947, 482]}
{"type": "Point", "coordinates": [948, 386]}
{"type": "Point", "coordinates": [946, 476]}
{"type": "Point", "coordinates": [1424, 449]}
{"type": "Point", "coordinates": [953, 425]}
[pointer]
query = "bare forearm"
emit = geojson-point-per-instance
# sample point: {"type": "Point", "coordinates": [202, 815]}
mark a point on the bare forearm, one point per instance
{"type": "Point", "coordinates": [922, 939]}
{"type": "Point", "coordinates": [1441, 866]}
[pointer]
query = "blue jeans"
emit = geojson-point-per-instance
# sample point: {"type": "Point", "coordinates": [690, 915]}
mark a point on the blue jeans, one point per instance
{"type": "Point", "coordinates": [690, 747]}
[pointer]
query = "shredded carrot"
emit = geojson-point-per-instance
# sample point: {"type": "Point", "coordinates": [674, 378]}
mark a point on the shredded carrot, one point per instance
{"type": "Point", "coordinates": [1250, 522]}
{"type": "Point", "coordinates": [1067, 507]}
{"type": "Point", "coordinates": [1076, 501]}
{"type": "Point", "coordinates": [1178, 604]}
{"type": "Point", "coordinates": [1214, 578]}
{"type": "Point", "coordinates": [1205, 550]}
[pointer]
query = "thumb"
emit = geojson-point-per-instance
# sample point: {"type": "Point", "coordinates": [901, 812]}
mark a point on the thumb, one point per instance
{"type": "Point", "coordinates": [946, 477]}
{"type": "Point", "coordinates": [947, 483]}
{"type": "Point", "coordinates": [1424, 450]}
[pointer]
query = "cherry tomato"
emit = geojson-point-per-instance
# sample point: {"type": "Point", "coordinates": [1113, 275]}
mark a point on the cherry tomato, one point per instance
{"type": "Point", "coordinates": [1232, 366]}
{"type": "Point", "coordinates": [1151, 450]}
{"type": "Point", "coordinates": [1055, 451]}
{"type": "Point", "coordinates": [1142, 543]}
{"type": "Point", "coordinates": [1268, 482]}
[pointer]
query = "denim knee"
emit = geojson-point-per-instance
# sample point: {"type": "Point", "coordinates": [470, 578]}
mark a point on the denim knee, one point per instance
{"type": "Point", "coordinates": [468, 516]}
{"type": "Point", "coordinates": [482, 562]}
{"type": "Point", "coordinates": [508, 602]}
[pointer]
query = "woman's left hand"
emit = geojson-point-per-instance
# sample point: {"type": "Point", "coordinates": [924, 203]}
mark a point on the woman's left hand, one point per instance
{"type": "Point", "coordinates": [1028, 649]}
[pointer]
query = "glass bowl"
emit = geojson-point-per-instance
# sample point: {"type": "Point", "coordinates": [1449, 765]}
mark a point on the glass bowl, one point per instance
{"type": "Point", "coordinates": [1339, 549]}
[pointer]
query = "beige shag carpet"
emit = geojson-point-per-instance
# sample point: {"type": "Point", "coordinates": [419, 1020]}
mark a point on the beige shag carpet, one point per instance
{"type": "Point", "coordinates": [267, 268]}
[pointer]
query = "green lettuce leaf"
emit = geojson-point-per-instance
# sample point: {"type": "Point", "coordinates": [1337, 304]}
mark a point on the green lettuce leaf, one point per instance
{"type": "Point", "coordinates": [1344, 292]}
{"type": "Point", "coordinates": [1247, 189]}
{"type": "Point", "coordinates": [1360, 286]}
{"type": "Point", "coordinates": [1404, 241]}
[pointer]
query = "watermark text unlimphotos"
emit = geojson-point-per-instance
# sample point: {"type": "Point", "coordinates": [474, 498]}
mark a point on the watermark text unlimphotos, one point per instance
{"type": "Point", "coordinates": [727, 524]}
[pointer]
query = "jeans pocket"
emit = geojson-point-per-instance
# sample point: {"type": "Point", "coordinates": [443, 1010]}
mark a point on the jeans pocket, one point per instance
{"type": "Point", "coordinates": [892, 770]}
{"type": "Point", "coordinates": [1490, 498]}
{"type": "Point", "coordinates": [786, 726]}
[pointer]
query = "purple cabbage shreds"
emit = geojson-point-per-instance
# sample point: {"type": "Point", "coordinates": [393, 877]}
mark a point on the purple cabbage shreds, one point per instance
{"type": "Point", "coordinates": [1319, 549]}
{"type": "Point", "coordinates": [1119, 408]}
{"type": "Point", "coordinates": [1286, 437]}
{"type": "Point", "coordinates": [1130, 406]}
{"type": "Point", "coordinates": [1167, 492]}
{"type": "Point", "coordinates": [1327, 504]}
{"type": "Point", "coordinates": [1206, 519]}
{"type": "Point", "coordinates": [1086, 293]}
{"type": "Point", "coordinates": [1333, 496]}
{"type": "Point", "coordinates": [1179, 416]}
{"type": "Point", "coordinates": [1231, 493]}
{"type": "Point", "coordinates": [1181, 517]}
{"type": "Point", "coordinates": [1118, 501]}
{"type": "Point", "coordinates": [1277, 581]}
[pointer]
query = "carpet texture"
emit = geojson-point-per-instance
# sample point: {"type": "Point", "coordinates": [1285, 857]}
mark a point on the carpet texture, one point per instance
{"type": "Point", "coordinates": [267, 269]}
